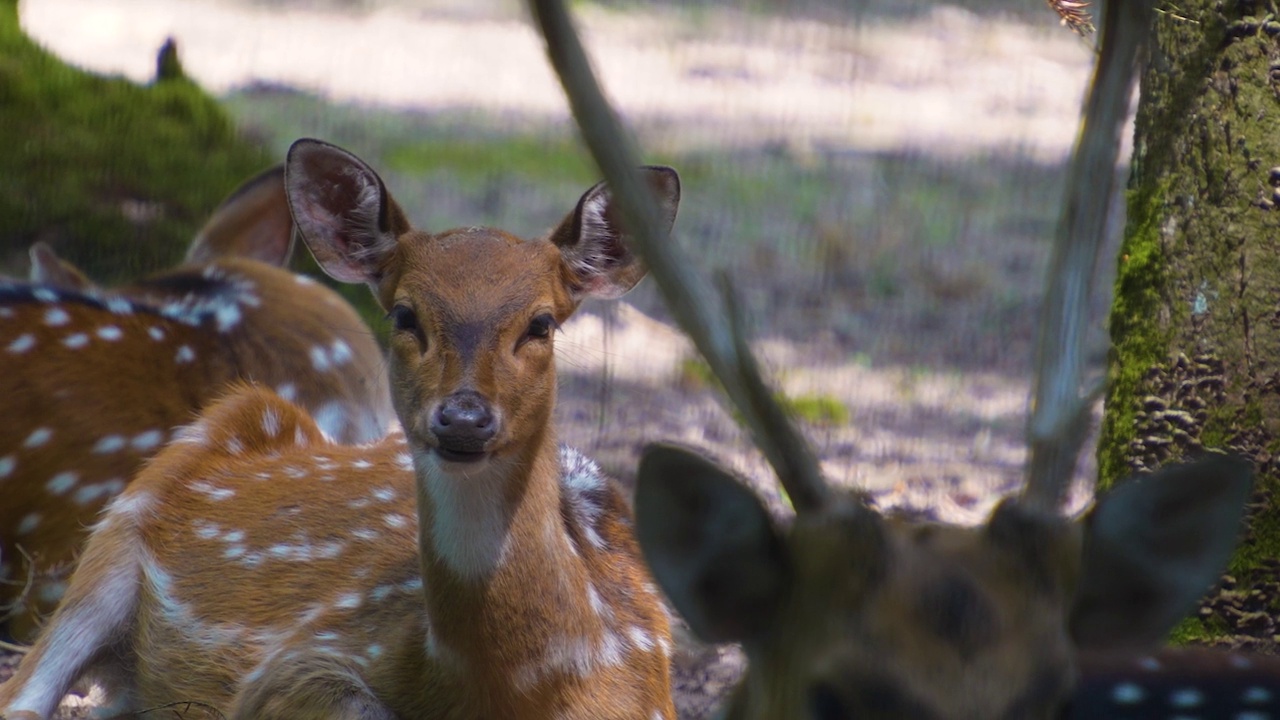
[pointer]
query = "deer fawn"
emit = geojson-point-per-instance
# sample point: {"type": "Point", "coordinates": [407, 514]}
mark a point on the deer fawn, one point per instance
{"type": "Point", "coordinates": [93, 381]}
{"type": "Point", "coordinates": [469, 568]}
{"type": "Point", "coordinates": [849, 614]}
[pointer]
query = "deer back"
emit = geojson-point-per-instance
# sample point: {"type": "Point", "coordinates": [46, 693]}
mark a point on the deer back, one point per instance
{"type": "Point", "coordinates": [95, 380]}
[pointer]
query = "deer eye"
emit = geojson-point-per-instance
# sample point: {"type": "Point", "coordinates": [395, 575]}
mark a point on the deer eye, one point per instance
{"type": "Point", "coordinates": [403, 318]}
{"type": "Point", "coordinates": [540, 327]}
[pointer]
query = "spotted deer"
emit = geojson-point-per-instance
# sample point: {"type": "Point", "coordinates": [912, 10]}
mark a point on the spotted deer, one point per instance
{"type": "Point", "coordinates": [851, 614]}
{"type": "Point", "coordinates": [93, 381]}
{"type": "Point", "coordinates": [469, 567]}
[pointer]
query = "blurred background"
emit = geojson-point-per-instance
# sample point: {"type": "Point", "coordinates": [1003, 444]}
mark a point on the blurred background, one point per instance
{"type": "Point", "coordinates": [880, 178]}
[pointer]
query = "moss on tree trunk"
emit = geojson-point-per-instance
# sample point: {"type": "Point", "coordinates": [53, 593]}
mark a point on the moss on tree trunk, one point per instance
{"type": "Point", "coordinates": [1196, 320]}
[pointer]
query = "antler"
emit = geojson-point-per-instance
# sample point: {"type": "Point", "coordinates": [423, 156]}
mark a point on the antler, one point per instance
{"type": "Point", "coordinates": [1060, 414]}
{"type": "Point", "coordinates": [690, 299]}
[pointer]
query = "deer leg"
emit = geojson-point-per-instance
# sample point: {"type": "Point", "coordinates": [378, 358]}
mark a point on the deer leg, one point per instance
{"type": "Point", "coordinates": [308, 686]}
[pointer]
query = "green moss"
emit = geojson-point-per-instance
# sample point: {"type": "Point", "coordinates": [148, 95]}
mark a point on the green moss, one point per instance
{"type": "Point", "coordinates": [1138, 342]}
{"type": "Point", "coordinates": [116, 176]}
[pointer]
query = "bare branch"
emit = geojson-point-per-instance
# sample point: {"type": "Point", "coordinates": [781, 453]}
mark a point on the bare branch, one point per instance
{"type": "Point", "coordinates": [689, 298]}
{"type": "Point", "coordinates": [1060, 415]}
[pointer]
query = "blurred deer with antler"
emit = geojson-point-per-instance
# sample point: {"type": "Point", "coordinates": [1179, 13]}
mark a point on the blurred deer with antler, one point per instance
{"type": "Point", "coordinates": [850, 614]}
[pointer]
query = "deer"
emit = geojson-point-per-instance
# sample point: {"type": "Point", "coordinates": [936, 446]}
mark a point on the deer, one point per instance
{"type": "Point", "coordinates": [852, 613]}
{"type": "Point", "coordinates": [467, 566]}
{"type": "Point", "coordinates": [95, 380]}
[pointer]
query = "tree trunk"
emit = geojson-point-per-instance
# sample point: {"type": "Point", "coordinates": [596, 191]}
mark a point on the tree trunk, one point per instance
{"type": "Point", "coordinates": [1196, 320]}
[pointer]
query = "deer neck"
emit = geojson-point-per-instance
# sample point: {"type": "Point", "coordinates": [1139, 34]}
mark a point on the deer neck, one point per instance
{"type": "Point", "coordinates": [495, 554]}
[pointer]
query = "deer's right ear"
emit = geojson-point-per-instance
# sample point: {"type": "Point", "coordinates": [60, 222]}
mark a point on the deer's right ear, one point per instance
{"type": "Point", "coordinates": [1152, 549]}
{"type": "Point", "coordinates": [710, 543]}
{"type": "Point", "coordinates": [343, 211]}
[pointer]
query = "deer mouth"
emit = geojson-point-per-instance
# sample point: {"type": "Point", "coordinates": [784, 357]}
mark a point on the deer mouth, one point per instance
{"type": "Point", "coordinates": [460, 455]}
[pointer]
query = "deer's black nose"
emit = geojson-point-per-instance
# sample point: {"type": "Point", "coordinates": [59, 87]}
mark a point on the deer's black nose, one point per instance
{"type": "Point", "coordinates": [462, 424]}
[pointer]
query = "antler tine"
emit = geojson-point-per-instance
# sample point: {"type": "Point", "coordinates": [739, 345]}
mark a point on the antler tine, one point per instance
{"type": "Point", "coordinates": [1060, 415]}
{"type": "Point", "coordinates": [690, 299]}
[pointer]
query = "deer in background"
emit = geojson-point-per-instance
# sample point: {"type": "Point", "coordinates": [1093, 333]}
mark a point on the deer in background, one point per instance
{"type": "Point", "coordinates": [94, 381]}
{"type": "Point", "coordinates": [848, 614]}
{"type": "Point", "coordinates": [467, 568]}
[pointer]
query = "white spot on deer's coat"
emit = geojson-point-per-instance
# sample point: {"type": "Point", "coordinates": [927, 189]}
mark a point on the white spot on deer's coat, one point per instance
{"type": "Point", "coordinates": [62, 482]}
{"type": "Point", "coordinates": [385, 494]}
{"type": "Point", "coordinates": [227, 316]}
{"type": "Point", "coordinates": [404, 461]}
{"type": "Point", "coordinates": [331, 418]}
{"type": "Point", "coordinates": [1127, 694]}
{"type": "Point", "coordinates": [361, 464]}
{"type": "Point", "coordinates": [194, 434]}
{"type": "Point", "coordinates": [29, 522]}
{"type": "Point", "coordinates": [303, 280]}
{"type": "Point", "coordinates": [148, 440]}
{"type": "Point", "coordinates": [288, 391]}
{"type": "Point", "coordinates": [365, 534]}
{"type": "Point", "coordinates": [640, 638]}
{"type": "Point", "coordinates": [110, 333]}
{"type": "Point", "coordinates": [22, 343]}
{"type": "Point", "coordinates": [76, 341]}
{"type": "Point", "coordinates": [129, 505]}
{"type": "Point", "coordinates": [1255, 695]}
{"type": "Point", "coordinates": [109, 444]}
{"type": "Point", "coordinates": [44, 294]}
{"type": "Point", "coordinates": [6, 312]}
{"type": "Point", "coordinates": [156, 333]}
{"type": "Point", "coordinates": [319, 358]}
{"type": "Point", "coordinates": [233, 552]}
{"type": "Point", "coordinates": [340, 352]}
{"type": "Point", "coordinates": [38, 437]}
{"type": "Point", "coordinates": [373, 651]}
{"type": "Point", "coordinates": [395, 521]}
{"type": "Point", "coordinates": [211, 491]}
{"type": "Point", "coordinates": [86, 494]}
{"type": "Point", "coordinates": [56, 317]}
{"type": "Point", "coordinates": [185, 354]}
{"type": "Point", "coordinates": [119, 306]}
{"type": "Point", "coordinates": [207, 530]}
{"type": "Point", "coordinates": [271, 422]}
{"type": "Point", "coordinates": [347, 601]}
{"type": "Point", "coordinates": [1186, 698]}
{"type": "Point", "coordinates": [7, 464]}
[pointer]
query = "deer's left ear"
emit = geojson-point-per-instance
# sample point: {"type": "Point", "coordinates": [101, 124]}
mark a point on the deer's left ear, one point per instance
{"type": "Point", "coordinates": [595, 245]}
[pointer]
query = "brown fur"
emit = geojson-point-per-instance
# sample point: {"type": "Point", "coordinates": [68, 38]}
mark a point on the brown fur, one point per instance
{"type": "Point", "coordinates": [133, 383]}
{"type": "Point", "coordinates": [280, 575]}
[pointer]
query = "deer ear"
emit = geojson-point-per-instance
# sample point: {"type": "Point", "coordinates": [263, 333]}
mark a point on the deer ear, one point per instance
{"type": "Point", "coordinates": [253, 222]}
{"type": "Point", "coordinates": [595, 246]}
{"type": "Point", "coordinates": [1152, 549]}
{"type": "Point", "coordinates": [710, 543]}
{"type": "Point", "coordinates": [343, 211]}
{"type": "Point", "coordinates": [49, 269]}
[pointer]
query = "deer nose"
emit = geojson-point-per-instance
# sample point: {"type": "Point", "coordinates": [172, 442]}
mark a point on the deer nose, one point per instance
{"type": "Point", "coordinates": [463, 423]}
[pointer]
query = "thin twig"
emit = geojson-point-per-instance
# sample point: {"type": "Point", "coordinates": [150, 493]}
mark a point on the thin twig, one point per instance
{"type": "Point", "coordinates": [688, 296]}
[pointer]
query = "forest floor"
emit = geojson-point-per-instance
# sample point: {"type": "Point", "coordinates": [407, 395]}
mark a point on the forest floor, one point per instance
{"type": "Point", "coordinates": [882, 188]}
